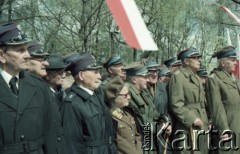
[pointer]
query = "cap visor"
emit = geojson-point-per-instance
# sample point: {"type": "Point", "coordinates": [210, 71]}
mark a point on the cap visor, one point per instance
{"type": "Point", "coordinates": [18, 43]}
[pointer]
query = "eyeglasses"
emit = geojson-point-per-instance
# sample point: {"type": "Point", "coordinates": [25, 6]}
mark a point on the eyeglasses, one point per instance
{"type": "Point", "coordinates": [124, 95]}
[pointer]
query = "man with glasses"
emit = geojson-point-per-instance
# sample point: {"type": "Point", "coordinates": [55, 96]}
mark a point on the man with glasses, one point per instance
{"type": "Point", "coordinates": [24, 101]}
{"type": "Point", "coordinates": [223, 97]}
{"type": "Point", "coordinates": [87, 121]}
{"type": "Point", "coordinates": [38, 59]}
{"type": "Point", "coordinates": [186, 99]}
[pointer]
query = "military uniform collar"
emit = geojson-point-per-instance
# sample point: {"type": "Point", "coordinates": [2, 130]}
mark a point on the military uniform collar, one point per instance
{"type": "Point", "coordinates": [222, 74]}
{"type": "Point", "coordinates": [187, 71]}
{"type": "Point", "coordinates": [90, 92]}
{"type": "Point", "coordinates": [7, 77]}
{"type": "Point", "coordinates": [135, 90]}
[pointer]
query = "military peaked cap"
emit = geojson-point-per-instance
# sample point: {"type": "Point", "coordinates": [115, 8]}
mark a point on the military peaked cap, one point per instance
{"type": "Point", "coordinates": [202, 73]}
{"type": "Point", "coordinates": [136, 69]}
{"type": "Point", "coordinates": [35, 49]}
{"type": "Point", "coordinates": [10, 34]}
{"type": "Point", "coordinates": [188, 53]}
{"type": "Point", "coordinates": [228, 51]}
{"type": "Point", "coordinates": [152, 65]}
{"type": "Point", "coordinates": [164, 72]}
{"type": "Point", "coordinates": [114, 60]}
{"type": "Point", "coordinates": [172, 62]}
{"type": "Point", "coordinates": [83, 62]}
{"type": "Point", "coordinates": [55, 62]}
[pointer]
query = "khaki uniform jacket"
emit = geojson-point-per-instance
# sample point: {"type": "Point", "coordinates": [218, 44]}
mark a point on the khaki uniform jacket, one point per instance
{"type": "Point", "coordinates": [186, 98]}
{"type": "Point", "coordinates": [223, 95]}
{"type": "Point", "coordinates": [128, 139]}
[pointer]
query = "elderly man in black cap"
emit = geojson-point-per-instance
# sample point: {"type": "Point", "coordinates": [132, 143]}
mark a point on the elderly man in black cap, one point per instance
{"type": "Point", "coordinates": [223, 95]}
{"type": "Point", "coordinates": [55, 76]}
{"type": "Point", "coordinates": [87, 121]}
{"type": "Point", "coordinates": [187, 102]}
{"type": "Point", "coordinates": [24, 101]}
{"type": "Point", "coordinates": [54, 79]}
{"type": "Point", "coordinates": [38, 59]}
{"type": "Point", "coordinates": [173, 64]}
{"type": "Point", "coordinates": [114, 67]}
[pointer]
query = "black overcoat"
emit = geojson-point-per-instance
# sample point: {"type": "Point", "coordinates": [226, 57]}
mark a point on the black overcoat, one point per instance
{"type": "Point", "coordinates": [24, 119]}
{"type": "Point", "coordinates": [87, 123]}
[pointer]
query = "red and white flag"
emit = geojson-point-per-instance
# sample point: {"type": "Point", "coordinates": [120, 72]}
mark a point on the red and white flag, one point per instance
{"type": "Point", "coordinates": [229, 12]}
{"type": "Point", "coordinates": [235, 18]}
{"type": "Point", "coordinates": [131, 24]}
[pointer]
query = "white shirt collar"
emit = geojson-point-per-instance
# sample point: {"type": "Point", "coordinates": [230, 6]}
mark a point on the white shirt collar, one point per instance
{"type": "Point", "coordinates": [7, 77]}
{"type": "Point", "coordinates": [87, 90]}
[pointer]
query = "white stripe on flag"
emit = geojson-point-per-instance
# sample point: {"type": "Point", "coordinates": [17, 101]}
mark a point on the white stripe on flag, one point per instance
{"type": "Point", "coordinates": [134, 29]}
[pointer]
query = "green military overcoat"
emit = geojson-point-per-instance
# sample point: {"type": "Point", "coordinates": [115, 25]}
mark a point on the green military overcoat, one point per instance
{"type": "Point", "coordinates": [146, 114]}
{"type": "Point", "coordinates": [223, 97]}
{"type": "Point", "coordinates": [186, 99]}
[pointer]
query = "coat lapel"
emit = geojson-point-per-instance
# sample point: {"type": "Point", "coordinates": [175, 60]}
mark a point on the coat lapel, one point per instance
{"type": "Point", "coordinates": [27, 90]}
{"type": "Point", "coordinates": [86, 96]}
{"type": "Point", "coordinates": [226, 78]}
{"type": "Point", "coordinates": [7, 97]}
{"type": "Point", "coordinates": [193, 78]}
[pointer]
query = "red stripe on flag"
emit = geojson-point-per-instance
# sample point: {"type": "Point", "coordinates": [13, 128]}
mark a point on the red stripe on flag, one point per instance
{"type": "Point", "coordinates": [123, 23]}
{"type": "Point", "coordinates": [236, 72]}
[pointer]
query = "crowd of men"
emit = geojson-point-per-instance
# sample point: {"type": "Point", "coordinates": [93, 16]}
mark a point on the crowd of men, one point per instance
{"type": "Point", "coordinates": [53, 104]}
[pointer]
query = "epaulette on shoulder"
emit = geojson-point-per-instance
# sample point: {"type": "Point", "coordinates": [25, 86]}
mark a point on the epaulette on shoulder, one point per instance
{"type": "Point", "coordinates": [212, 75]}
{"type": "Point", "coordinates": [69, 98]}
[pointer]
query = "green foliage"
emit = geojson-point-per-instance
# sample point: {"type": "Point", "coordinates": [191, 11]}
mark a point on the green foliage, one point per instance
{"type": "Point", "coordinates": [87, 26]}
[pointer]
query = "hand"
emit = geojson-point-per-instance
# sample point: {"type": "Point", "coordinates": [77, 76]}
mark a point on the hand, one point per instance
{"type": "Point", "coordinates": [198, 122]}
{"type": "Point", "coordinates": [169, 130]}
{"type": "Point", "coordinates": [224, 137]}
{"type": "Point", "coordinates": [210, 127]}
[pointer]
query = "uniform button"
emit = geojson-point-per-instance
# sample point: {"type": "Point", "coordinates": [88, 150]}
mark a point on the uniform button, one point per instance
{"type": "Point", "coordinates": [22, 137]}
{"type": "Point", "coordinates": [132, 134]}
{"type": "Point", "coordinates": [130, 128]}
{"type": "Point", "coordinates": [54, 121]}
{"type": "Point", "coordinates": [133, 142]}
{"type": "Point", "coordinates": [20, 113]}
{"type": "Point", "coordinates": [59, 139]}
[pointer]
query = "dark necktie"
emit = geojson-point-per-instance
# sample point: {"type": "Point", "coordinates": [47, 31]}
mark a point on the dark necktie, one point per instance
{"type": "Point", "coordinates": [13, 85]}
